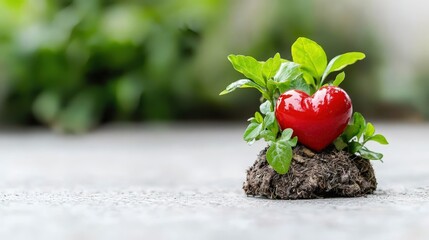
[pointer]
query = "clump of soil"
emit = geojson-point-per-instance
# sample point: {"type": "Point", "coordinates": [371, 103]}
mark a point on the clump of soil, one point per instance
{"type": "Point", "coordinates": [330, 173]}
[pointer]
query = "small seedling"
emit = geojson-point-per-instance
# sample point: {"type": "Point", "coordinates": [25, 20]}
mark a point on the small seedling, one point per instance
{"type": "Point", "coordinates": [303, 103]}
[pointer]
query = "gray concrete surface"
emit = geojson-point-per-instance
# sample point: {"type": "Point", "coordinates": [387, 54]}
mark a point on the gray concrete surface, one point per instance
{"type": "Point", "coordinates": [184, 182]}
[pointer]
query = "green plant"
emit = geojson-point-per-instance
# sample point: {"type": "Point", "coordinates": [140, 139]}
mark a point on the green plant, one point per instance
{"type": "Point", "coordinates": [356, 135]}
{"type": "Point", "coordinates": [308, 72]}
{"type": "Point", "coordinates": [264, 124]}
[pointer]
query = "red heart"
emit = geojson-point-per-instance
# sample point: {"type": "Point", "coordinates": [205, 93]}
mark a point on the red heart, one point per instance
{"type": "Point", "coordinates": [316, 120]}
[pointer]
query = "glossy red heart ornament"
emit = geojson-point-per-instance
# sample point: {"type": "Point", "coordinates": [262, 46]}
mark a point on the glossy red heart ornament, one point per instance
{"type": "Point", "coordinates": [316, 120]}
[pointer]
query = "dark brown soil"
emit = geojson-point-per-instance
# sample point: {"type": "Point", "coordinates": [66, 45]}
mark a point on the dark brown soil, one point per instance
{"type": "Point", "coordinates": [330, 173]}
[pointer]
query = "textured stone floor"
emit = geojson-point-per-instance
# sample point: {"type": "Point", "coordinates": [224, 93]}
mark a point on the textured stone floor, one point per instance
{"type": "Point", "coordinates": [184, 182]}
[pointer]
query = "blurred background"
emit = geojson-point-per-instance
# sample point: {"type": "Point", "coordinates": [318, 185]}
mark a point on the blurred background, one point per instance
{"type": "Point", "coordinates": [73, 65]}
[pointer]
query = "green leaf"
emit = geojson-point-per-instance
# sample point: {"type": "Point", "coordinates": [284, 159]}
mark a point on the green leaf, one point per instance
{"type": "Point", "coordinates": [351, 138]}
{"type": "Point", "coordinates": [286, 134]}
{"type": "Point", "coordinates": [309, 79]}
{"type": "Point", "coordinates": [354, 147]}
{"type": "Point", "coordinates": [360, 122]}
{"type": "Point", "coordinates": [288, 71]}
{"type": "Point", "coordinates": [252, 131]}
{"type": "Point", "coordinates": [237, 84]}
{"type": "Point", "coordinates": [279, 156]}
{"type": "Point", "coordinates": [310, 55]}
{"type": "Point", "coordinates": [269, 119]}
{"type": "Point", "coordinates": [249, 67]}
{"type": "Point", "coordinates": [252, 119]}
{"type": "Point", "coordinates": [341, 61]}
{"type": "Point", "coordinates": [283, 86]}
{"type": "Point", "coordinates": [290, 76]}
{"type": "Point", "coordinates": [292, 142]}
{"type": "Point", "coordinates": [258, 117]}
{"type": "Point", "coordinates": [350, 132]}
{"type": "Point", "coordinates": [379, 138]}
{"type": "Point", "coordinates": [340, 144]}
{"type": "Point", "coordinates": [268, 135]}
{"type": "Point", "coordinates": [355, 129]}
{"type": "Point", "coordinates": [300, 84]}
{"type": "Point", "coordinates": [265, 107]}
{"type": "Point", "coordinates": [339, 79]}
{"type": "Point", "coordinates": [370, 155]}
{"type": "Point", "coordinates": [271, 66]}
{"type": "Point", "coordinates": [271, 85]}
{"type": "Point", "coordinates": [266, 96]}
{"type": "Point", "coordinates": [274, 127]}
{"type": "Point", "coordinates": [369, 131]}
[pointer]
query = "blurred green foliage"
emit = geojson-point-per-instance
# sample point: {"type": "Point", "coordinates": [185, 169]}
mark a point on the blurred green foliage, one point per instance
{"type": "Point", "coordinates": [75, 64]}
